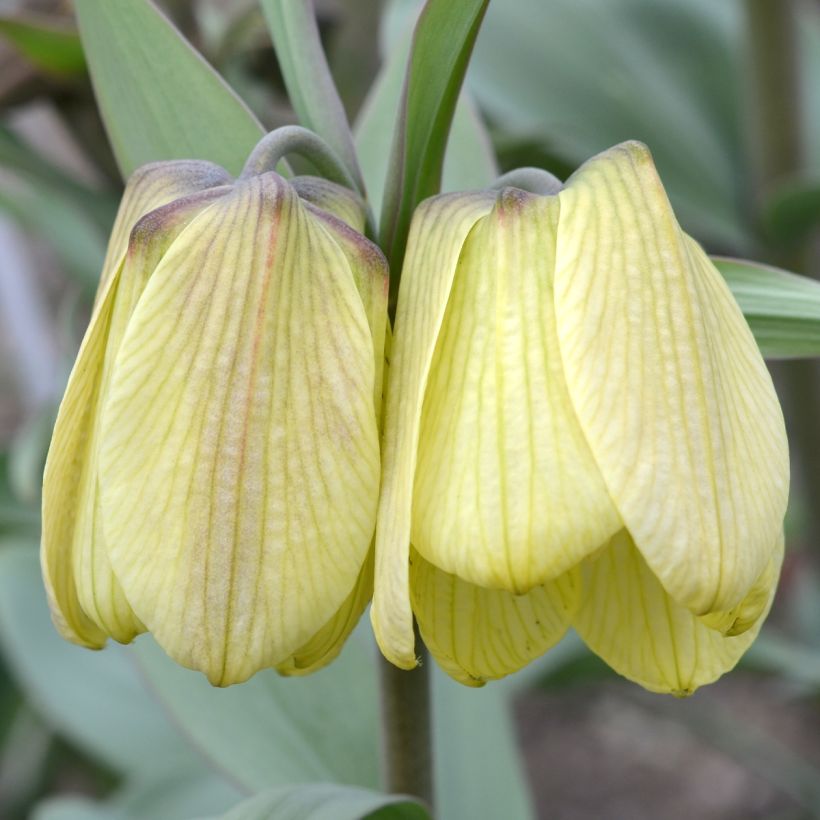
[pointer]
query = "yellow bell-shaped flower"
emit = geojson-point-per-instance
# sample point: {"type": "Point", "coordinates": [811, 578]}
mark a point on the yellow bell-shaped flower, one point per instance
{"type": "Point", "coordinates": [214, 471]}
{"type": "Point", "coordinates": [579, 430]}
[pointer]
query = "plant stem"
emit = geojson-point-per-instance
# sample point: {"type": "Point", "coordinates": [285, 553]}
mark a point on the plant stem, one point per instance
{"type": "Point", "coordinates": [293, 139]}
{"type": "Point", "coordinates": [406, 729]}
{"type": "Point", "coordinates": [772, 38]}
{"type": "Point", "coordinates": [772, 32]}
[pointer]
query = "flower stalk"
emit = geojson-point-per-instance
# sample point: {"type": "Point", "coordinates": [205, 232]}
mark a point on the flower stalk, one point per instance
{"type": "Point", "coordinates": [407, 741]}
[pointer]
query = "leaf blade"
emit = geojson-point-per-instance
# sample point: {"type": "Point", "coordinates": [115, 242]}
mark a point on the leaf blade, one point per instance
{"type": "Point", "coordinates": [442, 44]}
{"type": "Point", "coordinates": [158, 97]}
{"type": "Point", "coordinates": [782, 308]}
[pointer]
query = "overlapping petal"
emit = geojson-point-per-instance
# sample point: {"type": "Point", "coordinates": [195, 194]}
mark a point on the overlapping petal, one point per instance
{"type": "Point", "coordinates": [507, 493]}
{"type": "Point", "coordinates": [628, 619]}
{"type": "Point", "coordinates": [152, 186]}
{"type": "Point", "coordinates": [668, 385]}
{"type": "Point", "coordinates": [439, 229]}
{"type": "Point", "coordinates": [478, 634]}
{"type": "Point", "coordinates": [240, 444]}
{"type": "Point", "coordinates": [86, 600]}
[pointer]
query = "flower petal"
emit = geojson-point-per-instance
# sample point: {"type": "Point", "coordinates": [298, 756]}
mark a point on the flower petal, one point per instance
{"type": "Point", "coordinates": [334, 199]}
{"type": "Point", "coordinates": [478, 634]}
{"type": "Point", "coordinates": [152, 186]}
{"type": "Point", "coordinates": [327, 643]}
{"type": "Point", "coordinates": [86, 600]}
{"type": "Point", "coordinates": [439, 228]}
{"type": "Point", "coordinates": [240, 445]}
{"type": "Point", "coordinates": [628, 619]}
{"type": "Point", "coordinates": [507, 493]}
{"type": "Point", "coordinates": [371, 277]}
{"type": "Point", "coordinates": [669, 386]}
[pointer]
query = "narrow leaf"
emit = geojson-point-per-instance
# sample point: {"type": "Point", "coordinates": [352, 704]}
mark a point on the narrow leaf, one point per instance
{"type": "Point", "coordinates": [158, 97]}
{"type": "Point", "coordinates": [469, 161]}
{"type": "Point", "coordinates": [49, 44]}
{"type": "Point", "coordinates": [783, 309]}
{"type": "Point", "coordinates": [442, 44]}
{"type": "Point", "coordinates": [479, 770]}
{"type": "Point", "coordinates": [307, 77]}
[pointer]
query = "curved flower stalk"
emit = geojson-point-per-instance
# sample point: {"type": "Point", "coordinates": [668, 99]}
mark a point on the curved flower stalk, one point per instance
{"type": "Point", "coordinates": [213, 475]}
{"type": "Point", "coordinates": [579, 430]}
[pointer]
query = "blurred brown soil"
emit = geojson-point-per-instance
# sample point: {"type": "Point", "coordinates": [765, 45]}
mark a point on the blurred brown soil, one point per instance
{"type": "Point", "coordinates": [742, 749]}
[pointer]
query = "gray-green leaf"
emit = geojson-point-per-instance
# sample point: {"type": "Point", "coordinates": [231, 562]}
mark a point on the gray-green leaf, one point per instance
{"type": "Point", "coordinates": [158, 97]}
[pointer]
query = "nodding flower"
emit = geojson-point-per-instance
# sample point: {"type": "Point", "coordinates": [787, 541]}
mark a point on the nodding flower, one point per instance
{"type": "Point", "coordinates": [579, 430]}
{"type": "Point", "coordinates": [214, 471]}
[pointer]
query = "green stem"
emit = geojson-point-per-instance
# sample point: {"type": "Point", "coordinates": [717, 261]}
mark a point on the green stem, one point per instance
{"type": "Point", "coordinates": [774, 71]}
{"type": "Point", "coordinates": [310, 85]}
{"type": "Point", "coordinates": [771, 27]}
{"type": "Point", "coordinates": [534, 180]}
{"type": "Point", "coordinates": [293, 139]}
{"type": "Point", "coordinates": [406, 729]}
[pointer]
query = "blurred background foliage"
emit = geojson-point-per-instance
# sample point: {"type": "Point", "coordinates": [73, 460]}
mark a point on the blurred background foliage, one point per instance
{"type": "Point", "coordinates": [727, 96]}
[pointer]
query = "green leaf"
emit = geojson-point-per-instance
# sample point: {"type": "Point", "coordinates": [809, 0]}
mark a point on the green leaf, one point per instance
{"type": "Point", "coordinates": [158, 97]}
{"type": "Point", "coordinates": [783, 309]}
{"type": "Point", "coordinates": [325, 801]}
{"type": "Point", "coordinates": [792, 212]}
{"type": "Point", "coordinates": [172, 795]}
{"type": "Point", "coordinates": [442, 43]}
{"type": "Point", "coordinates": [477, 762]}
{"type": "Point", "coordinates": [48, 43]}
{"type": "Point", "coordinates": [74, 235]}
{"type": "Point", "coordinates": [96, 699]}
{"type": "Point", "coordinates": [468, 161]}
{"type": "Point", "coordinates": [582, 75]}
{"type": "Point", "coordinates": [307, 76]}
{"type": "Point", "coordinates": [273, 731]}
{"type": "Point", "coordinates": [776, 654]}
{"type": "Point", "coordinates": [25, 162]}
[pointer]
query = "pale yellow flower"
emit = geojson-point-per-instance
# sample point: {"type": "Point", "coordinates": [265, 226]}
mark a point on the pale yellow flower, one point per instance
{"type": "Point", "coordinates": [579, 430]}
{"type": "Point", "coordinates": [213, 475]}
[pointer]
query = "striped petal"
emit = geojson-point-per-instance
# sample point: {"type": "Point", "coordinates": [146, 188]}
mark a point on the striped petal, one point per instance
{"type": "Point", "coordinates": [152, 186]}
{"type": "Point", "coordinates": [628, 619]}
{"type": "Point", "coordinates": [86, 600]}
{"type": "Point", "coordinates": [334, 199]}
{"type": "Point", "coordinates": [371, 277]}
{"type": "Point", "coordinates": [327, 643]}
{"type": "Point", "coordinates": [668, 384]}
{"type": "Point", "coordinates": [507, 493]}
{"type": "Point", "coordinates": [437, 233]}
{"type": "Point", "coordinates": [240, 445]}
{"type": "Point", "coordinates": [478, 634]}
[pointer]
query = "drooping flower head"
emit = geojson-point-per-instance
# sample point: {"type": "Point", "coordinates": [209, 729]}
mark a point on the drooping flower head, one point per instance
{"type": "Point", "coordinates": [214, 471]}
{"type": "Point", "coordinates": [579, 430]}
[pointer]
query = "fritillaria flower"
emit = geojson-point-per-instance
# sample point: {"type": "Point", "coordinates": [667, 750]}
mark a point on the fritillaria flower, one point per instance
{"type": "Point", "coordinates": [213, 476]}
{"type": "Point", "coordinates": [579, 430]}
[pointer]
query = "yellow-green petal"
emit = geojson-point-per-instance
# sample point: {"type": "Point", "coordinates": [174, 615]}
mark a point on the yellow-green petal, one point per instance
{"type": "Point", "coordinates": [150, 187]}
{"type": "Point", "coordinates": [334, 199]}
{"type": "Point", "coordinates": [628, 619]}
{"type": "Point", "coordinates": [327, 643]}
{"type": "Point", "coordinates": [438, 231]}
{"type": "Point", "coordinates": [507, 493]}
{"type": "Point", "coordinates": [240, 445]}
{"type": "Point", "coordinates": [371, 276]}
{"type": "Point", "coordinates": [478, 634]}
{"type": "Point", "coordinates": [86, 600]}
{"type": "Point", "coordinates": [668, 384]}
